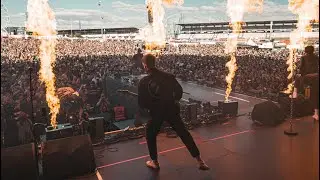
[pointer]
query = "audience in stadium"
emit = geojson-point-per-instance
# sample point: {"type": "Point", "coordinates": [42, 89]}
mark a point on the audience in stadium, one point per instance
{"type": "Point", "coordinates": [87, 62]}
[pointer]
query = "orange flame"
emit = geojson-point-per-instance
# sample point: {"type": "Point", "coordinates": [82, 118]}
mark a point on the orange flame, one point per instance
{"type": "Point", "coordinates": [236, 10]}
{"type": "Point", "coordinates": [155, 35]}
{"type": "Point", "coordinates": [308, 12]}
{"type": "Point", "coordinates": [169, 2]}
{"type": "Point", "coordinates": [41, 21]}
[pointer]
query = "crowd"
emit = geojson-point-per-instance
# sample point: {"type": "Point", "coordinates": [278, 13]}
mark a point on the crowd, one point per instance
{"type": "Point", "coordinates": [17, 49]}
{"type": "Point", "coordinates": [81, 65]}
{"type": "Point", "coordinates": [260, 72]}
{"type": "Point", "coordinates": [85, 63]}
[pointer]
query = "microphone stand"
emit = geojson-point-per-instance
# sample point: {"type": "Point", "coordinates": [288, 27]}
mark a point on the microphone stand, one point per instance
{"type": "Point", "coordinates": [31, 94]}
{"type": "Point", "coordinates": [291, 131]}
{"type": "Point", "coordinates": [33, 122]}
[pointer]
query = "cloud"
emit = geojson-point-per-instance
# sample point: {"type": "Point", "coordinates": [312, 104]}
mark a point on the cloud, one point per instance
{"type": "Point", "coordinates": [216, 12]}
{"type": "Point", "coordinates": [185, 8]}
{"type": "Point", "coordinates": [122, 14]}
{"type": "Point", "coordinates": [209, 8]}
{"type": "Point", "coordinates": [128, 7]}
{"type": "Point", "coordinates": [88, 18]}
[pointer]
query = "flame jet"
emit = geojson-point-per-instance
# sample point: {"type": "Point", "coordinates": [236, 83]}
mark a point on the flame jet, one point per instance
{"type": "Point", "coordinates": [307, 12]}
{"type": "Point", "coordinates": [154, 33]}
{"type": "Point", "coordinates": [236, 10]}
{"type": "Point", "coordinates": [41, 21]}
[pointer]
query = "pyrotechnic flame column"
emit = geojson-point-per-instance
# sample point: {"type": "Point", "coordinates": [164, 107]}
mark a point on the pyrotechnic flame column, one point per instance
{"type": "Point", "coordinates": [41, 21]}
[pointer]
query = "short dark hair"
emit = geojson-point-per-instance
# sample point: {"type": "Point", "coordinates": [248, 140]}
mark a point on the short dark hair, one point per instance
{"type": "Point", "coordinates": [309, 49]}
{"type": "Point", "coordinates": [149, 60]}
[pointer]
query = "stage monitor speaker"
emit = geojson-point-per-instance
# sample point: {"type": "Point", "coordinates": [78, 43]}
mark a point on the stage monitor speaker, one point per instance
{"type": "Point", "coordinates": [192, 113]}
{"type": "Point", "coordinates": [19, 162]}
{"type": "Point", "coordinates": [96, 128]}
{"type": "Point", "coordinates": [62, 131]}
{"type": "Point", "coordinates": [267, 113]}
{"type": "Point", "coordinates": [228, 108]}
{"type": "Point", "coordinates": [68, 157]}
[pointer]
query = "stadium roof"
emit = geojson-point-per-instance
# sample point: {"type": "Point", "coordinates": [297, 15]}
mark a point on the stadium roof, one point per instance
{"type": "Point", "coordinates": [98, 31]}
{"type": "Point", "coordinates": [226, 23]}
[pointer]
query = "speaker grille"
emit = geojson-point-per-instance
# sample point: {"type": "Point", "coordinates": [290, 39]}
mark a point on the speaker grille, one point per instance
{"type": "Point", "coordinates": [68, 157]}
{"type": "Point", "coordinates": [19, 162]}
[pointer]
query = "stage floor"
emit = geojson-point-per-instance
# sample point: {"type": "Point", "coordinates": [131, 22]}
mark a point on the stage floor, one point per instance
{"type": "Point", "coordinates": [236, 150]}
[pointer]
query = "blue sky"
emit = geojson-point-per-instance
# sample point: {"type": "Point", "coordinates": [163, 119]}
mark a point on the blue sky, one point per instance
{"type": "Point", "coordinates": [132, 13]}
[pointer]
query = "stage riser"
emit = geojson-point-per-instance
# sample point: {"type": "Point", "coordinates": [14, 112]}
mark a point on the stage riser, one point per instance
{"type": "Point", "coordinates": [68, 157]}
{"type": "Point", "coordinates": [301, 107]}
{"type": "Point", "coordinates": [96, 129]}
{"type": "Point", "coordinates": [19, 162]}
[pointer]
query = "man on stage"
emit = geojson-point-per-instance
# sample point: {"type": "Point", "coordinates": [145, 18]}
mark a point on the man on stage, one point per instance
{"type": "Point", "coordinates": [159, 93]}
{"type": "Point", "coordinates": [137, 59]}
{"type": "Point", "coordinates": [309, 75]}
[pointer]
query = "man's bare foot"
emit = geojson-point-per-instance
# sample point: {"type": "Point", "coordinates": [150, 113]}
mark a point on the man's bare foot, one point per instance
{"type": "Point", "coordinates": [153, 165]}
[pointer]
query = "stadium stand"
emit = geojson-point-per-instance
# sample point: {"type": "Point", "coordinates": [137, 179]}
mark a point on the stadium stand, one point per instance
{"type": "Point", "coordinates": [256, 29]}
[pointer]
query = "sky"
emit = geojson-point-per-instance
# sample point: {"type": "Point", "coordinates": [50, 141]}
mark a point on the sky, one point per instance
{"type": "Point", "coordinates": [132, 13]}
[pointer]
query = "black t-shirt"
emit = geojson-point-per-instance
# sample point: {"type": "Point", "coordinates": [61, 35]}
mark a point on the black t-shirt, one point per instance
{"type": "Point", "coordinates": [137, 60]}
{"type": "Point", "coordinates": [158, 89]}
{"type": "Point", "coordinates": [309, 65]}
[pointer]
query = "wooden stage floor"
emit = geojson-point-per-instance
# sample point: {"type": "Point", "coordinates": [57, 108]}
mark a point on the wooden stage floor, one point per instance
{"type": "Point", "coordinates": [237, 150]}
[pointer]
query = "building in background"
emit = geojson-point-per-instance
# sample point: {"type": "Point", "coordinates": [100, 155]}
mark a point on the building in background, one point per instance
{"type": "Point", "coordinates": [16, 30]}
{"type": "Point", "coordinates": [252, 29]}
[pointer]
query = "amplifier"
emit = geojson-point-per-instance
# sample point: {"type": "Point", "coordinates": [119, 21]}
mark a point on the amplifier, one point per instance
{"type": "Point", "coordinates": [215, 116]}
{"type": "Point", "coordinates": [96, 128]}
{"type": "Point", "coordinates": [69, 157]}
{"type": "Point", "coordinates": [62, 131]}
{"type": "Point", "coordinates": [301, 106]}
{"type": "Point", "coordinates": [192, 113]}
{"type": "Point", "coordinates": [228, 108]}
{"type": "Point", "coordinates": [19, 162]}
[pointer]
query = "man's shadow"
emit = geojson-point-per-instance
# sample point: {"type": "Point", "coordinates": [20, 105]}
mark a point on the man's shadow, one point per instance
{"type": "Point", "coordinates": [153, 175]}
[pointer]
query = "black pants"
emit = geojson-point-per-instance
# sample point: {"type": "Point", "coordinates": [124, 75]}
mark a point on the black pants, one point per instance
{"type": "Point", "coordinates": [172, 116]}
{"type": "Point", "coordinates": [314, 83]}
{"type": "Point", "coordinates": [314, 95]}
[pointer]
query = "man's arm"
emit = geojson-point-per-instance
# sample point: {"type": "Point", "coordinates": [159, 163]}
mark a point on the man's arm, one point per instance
{"type": "Point", "coordinates": [302, 67]}
{"type": "Point", "coordinates": [142, 101]}
{"type": "Point", "coordinates": [178, 91]}
{"type": "Point", "coordinates": [316, 73]}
